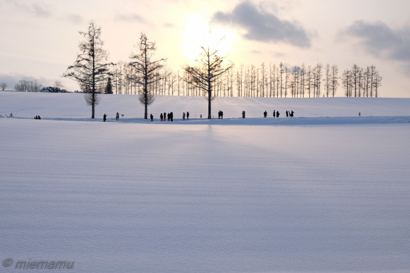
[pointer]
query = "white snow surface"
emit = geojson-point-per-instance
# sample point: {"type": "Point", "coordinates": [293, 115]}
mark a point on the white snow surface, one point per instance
{"type": "Point", "coordinates": [326, 191]}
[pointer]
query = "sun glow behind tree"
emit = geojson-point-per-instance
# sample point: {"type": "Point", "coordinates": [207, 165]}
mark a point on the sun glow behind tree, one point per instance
{"type": "Point", "coordinates": [199, 33]}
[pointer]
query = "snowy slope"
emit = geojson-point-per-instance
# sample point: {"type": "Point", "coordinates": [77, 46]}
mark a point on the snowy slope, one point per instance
{"type": "Point", "coordinates": [249, 197]}
{"type": "Point", "coordinates": [72, 105]}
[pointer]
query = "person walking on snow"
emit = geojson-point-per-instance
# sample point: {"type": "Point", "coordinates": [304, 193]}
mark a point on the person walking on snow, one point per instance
{"type": "Point", "coordinates": [104, 117]}
{"type": "Point", "coordinates": [117, 117]}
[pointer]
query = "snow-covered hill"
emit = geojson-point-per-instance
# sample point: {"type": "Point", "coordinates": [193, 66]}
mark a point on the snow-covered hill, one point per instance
{"type": "Point", "coordinates": [72, 105]}
{"type": "Point", "coordinates": [330, 193]}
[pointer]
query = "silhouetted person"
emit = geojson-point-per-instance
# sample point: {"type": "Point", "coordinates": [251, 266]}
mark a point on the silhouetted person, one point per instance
{"type": "Point", "coordinates": [117, 117]}
{"type": "Point", "coordinates": [183, 116]}
{"type": "Point", "coordinates": [274, 113]}
{"type": "Point", "coordinates": [152, 117]}
{"type": "Point", "coordinates": [161, 117]}
{"type": "Point", "coordinates": [104, 117]}
{"type": "Point", "coordinates": [187, 115]}
{"type": "Point", "coordinates": [287, 113]}
{"type": "Point", "coordinates": [265, 114]}
{"type": "Point", "coordinates": [360, 114]}
{"type": "Point", "coordinates": [277, 114]}
{"type": "Point", "coordinates": [172, 116]}
{"type": "Point", "coordinates": [292, 113]}
{"type": "Point", "coordinates": [243, 114]}
{"type": "Point", "coordinates": [165, 116]}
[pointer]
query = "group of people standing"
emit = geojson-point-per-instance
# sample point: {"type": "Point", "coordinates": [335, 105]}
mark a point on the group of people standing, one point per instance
{"type": "Point", "coordinates": [290, 113]}
{"type": "Point", "coordinates": [170, 116]}
{"type": "Point", "coordinates": [163, 116]}
{"type": "Point", "coordinates": [187, 116]}
{"type": "Point", "coordinates": [117, 117]}
{"type": "Point", "coordinates": [276, 114]}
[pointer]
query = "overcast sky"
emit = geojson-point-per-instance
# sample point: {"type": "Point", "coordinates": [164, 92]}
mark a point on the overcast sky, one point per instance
{"type": "Point", "coordinates": [39, 38]}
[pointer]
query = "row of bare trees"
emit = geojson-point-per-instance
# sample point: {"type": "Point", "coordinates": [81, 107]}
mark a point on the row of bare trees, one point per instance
{"type": "Point", "coordinates": [268, 80]}
{"type": "Point", "coordinates": [28, 86]}
{"type": "Point", "coordinates": [361, 82]}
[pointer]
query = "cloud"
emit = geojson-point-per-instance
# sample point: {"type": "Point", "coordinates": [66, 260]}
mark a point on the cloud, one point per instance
{"type": "Point", "coordinates": [130, 17]}
{"type": "Point", "coordinates": [39, 10]}
{"type": "Point", "coordinates": [75, 19]}
{"type": "Point", "coordinates": [380, 40]}
{"type": "Point", "coordinates": [264, 26]}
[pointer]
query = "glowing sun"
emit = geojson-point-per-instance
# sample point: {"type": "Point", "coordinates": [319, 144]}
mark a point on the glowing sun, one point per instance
{"type": "Point", "coordinates": [198, 33]}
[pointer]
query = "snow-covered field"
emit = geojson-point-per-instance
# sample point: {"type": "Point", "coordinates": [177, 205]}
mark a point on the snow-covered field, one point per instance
{"type": "Point", "coordinates": [326, 191]}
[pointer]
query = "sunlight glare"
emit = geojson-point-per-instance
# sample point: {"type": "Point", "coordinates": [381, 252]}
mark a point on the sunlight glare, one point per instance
{"type": "Point", "coordinates": [198, 33]}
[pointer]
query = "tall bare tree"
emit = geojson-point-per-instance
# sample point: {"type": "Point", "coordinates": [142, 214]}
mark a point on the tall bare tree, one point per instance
{"type": "Point", "coordinates": [89, 70]}
{"type": "Point", "coordinates": [318, 78]}
{"type": "Point", "coordinates": [335, 79]}
{"type": "Point", "coordinates": [377, 82]}
{"type": "Point", "coordinates": [347, 82]}
{"type": "Point", "coordinates": [328, 79]}
{"type": "Point", "coordinates": [209, 68]}
{"type": "Point", "coordinates": [302, 80]}
{"type": "Point", "coordinates": [3, 86]}
{"type": "Point", "coordinates": [309, 77]}
{"type": "Point", "coordinates": [147, 70]}
{"type": "Point", "coordinates": [355, 78]}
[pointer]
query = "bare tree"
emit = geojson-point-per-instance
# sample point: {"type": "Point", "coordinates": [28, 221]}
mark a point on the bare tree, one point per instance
{"type": "Point", "coordinates": [355, 78]}
{"type": "Point", "coordinates": [372, 77]}
{"type": "Point", "coordinates": [347, 82]}
{"type": "Point", "coordinates": [328, 80]}
{"type": "Point", "coordinates": [281, 71]}
{"type": "Point", "coordinates": [309, 77]}
{"type": "Point", "coordinates": [360, 83]}
{"type": "Point", "coordinates": [287, 76]}
{"type": "Point", "coordinates": [89, 69]}
{"type": "Point", "coordinates": [302, 80]}
{"type": "Point", "coordinates": [272, 70]}
{"type": "Point", "coordinates": [147, 70]}
{"type": "Point", "coordinates": [377, 82]}
{"type": "Point", "coordinates": [58, 85]}
{"type": "Point", "coordinates": [3, 86]}
{"type": "Point", "coordinates": [28, 86]}
{"type": "Point", "coordinates": [335, 79]}
{"type": "Point", "coordinates": [318, 78]}
{"type": "Point", "coordinates": [207, 72]}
